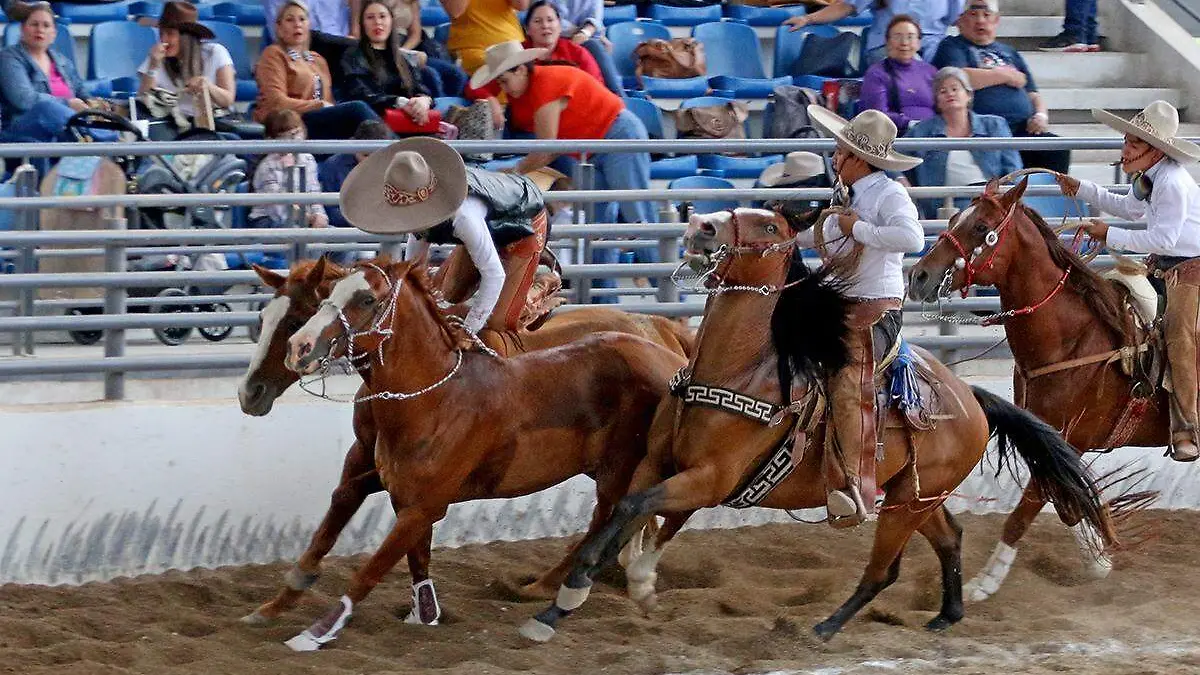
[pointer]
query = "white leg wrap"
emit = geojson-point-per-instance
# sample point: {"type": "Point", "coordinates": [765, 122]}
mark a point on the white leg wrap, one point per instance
{"type": "Point", "coordinates": [1096, 562]}
{"type": "Point", "coordinates": [414, 615]}
{"type": "Point", "coordinates": [988, 581]}
{"type": "Point", "coordinates": [632, 550]}
{"type": "Point", "coordinates": [321, 632]}
{"type": "Point", "coordinates": [572, 598]}
{"type": "Point", "coordinates": [642, 575]}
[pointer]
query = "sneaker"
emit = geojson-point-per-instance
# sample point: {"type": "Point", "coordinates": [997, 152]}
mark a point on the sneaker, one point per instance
{"type": "Point", "coordinates": [1064, 42]}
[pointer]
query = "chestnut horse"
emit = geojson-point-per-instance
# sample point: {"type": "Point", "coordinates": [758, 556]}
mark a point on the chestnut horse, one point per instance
{"type": "Point", "coordinates": [296, 299]}
{"type": "Point", "coordinates": [1065, 324]}
{"type": "Point", "coordinates": [454, 424]}
{"type": "Point", "coordinates": [772, 332]}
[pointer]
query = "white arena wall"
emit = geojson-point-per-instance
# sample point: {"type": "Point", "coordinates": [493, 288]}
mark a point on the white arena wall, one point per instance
{"type": "Point", "coordinates": [102, 490]}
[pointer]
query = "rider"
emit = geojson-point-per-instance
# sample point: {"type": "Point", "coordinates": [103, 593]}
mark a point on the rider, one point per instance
{"type": "Point", "coordinates": [421, 186]}
{"type": "Point", "coordinates": [868, 239]}
{"type": "Point", "coordinates": [1168, 198]}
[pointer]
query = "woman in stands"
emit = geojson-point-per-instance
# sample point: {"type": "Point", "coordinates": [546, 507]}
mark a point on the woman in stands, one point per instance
{"type": "Point", "coordinates": [955, 119]}
{"type": "Point", "coordinates": [379, 72]}
{"type": "Point", "coordinates": [545, 26]}
{"type": "Point", "coordinates": [181, 64]}
{"type": "Point", "coordinates": [444, 77]}
{"type": "Point", "coordinates": [935, 17]}
{"type": "Point", "coordinates": [39, 86]}
{"type": "Point", "coordinates": [291, 77]}
{"type": "Point", "coordinates": [900, 85]}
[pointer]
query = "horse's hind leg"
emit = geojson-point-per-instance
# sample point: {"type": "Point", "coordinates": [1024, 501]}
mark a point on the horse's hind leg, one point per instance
{"type": "Point", "coordinates": [984, 584]}
{"type": "Point", "coordinates": [642, 571]}
{"type": "Point", "coordinates": [945, 536]}
{"type": "Point", "coordinates": [359, 480]}
{"type": "Point", "coordinates": [425, 608]}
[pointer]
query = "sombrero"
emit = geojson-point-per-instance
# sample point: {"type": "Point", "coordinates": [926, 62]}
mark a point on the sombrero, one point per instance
{"type": "Point", "coordinates": [795, 167]}
{"type": "Point", "coordinates": [869, 135]}
{"type": "Point", "coordinates": [1157, 125]}
{"type": "Point", "coordinates": [503, 57]}
{"type": "Point", "coordinates": [409, 186]}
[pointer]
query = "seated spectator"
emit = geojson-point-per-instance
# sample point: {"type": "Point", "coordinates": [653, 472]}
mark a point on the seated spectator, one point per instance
{"type": "Point", "coordinates": [955, 119]}
{"type": "Point", "coordinates": [271, 176]}
{"type": "Point", "coordinates": [1002, 82]}
{"type": "Point", "coordinates": [325, 16]}
{"type": "Point", "coordinates": [544, 30]}
{"type": "Point", "coordinates": [39, 87]}
{"type": "Point", "coordinates": [935, 17]}
{"type": "Point", "coordinates": [378, 72]}
{"type": "Point", "coordinates": [333, 171]}
{"type": "Point", "coordinates": [290, 77]}
{"type": "Point", "coordinates": [181, 64]}
{"type": "Point", "coordinates": [901, 85]}
{"type": "Point", "coordinates": [445, 77]}
{"type": "Point", "coordinates": [583, 22]}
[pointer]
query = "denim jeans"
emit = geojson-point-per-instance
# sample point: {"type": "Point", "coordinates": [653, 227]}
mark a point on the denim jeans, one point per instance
{"type": "Point", "coordinates": [626, 170]}
{"type": "Point", "coordinates": [1055, 160]}
{"type": "Point", "coordinates": [453, 79]}
{"type": "Point", "coordinates": [1080, 21]}
{"type": "Point", "coordinates": [608, 67]}
{"type": "Point", "coordinates": [337, 122]}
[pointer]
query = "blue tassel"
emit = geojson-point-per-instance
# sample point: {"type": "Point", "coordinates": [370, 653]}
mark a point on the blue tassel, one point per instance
{"type": "Point", "coordinates": [904, 391]}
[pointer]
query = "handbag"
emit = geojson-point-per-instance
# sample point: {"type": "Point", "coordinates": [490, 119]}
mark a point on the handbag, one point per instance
{"type": "Point", "coordinates": [474, 123]}
{"type": "Point", "coordinates": [727, 121]}
{"type": "Point", "coordinates": [674, 59]}
{"type": "Point", "coordinates": [399, 122]}
{"type": "Point", "coordinates": [827, 56]}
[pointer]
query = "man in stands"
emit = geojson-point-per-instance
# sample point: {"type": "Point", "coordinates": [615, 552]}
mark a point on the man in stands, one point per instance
{"type": "Point", "coordinates": [1002, 82]}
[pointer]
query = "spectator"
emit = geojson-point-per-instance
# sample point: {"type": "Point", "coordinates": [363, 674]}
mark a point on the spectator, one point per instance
{"type": "Point", "coordinates": [181, 64]}
{"type": "Point", "coordinates": [326, 16]}
{"type": "Point", "coordinates": [379, 72]}
{"type": "Point", "coordinates": [333, 171]}
{"type": "Point", "coordinates": [955, 119]}
{"type": "Point", "coordinates": [935, 16]}
{"type": "Point", "coordinates": [1002, 82]}
{"type": "Point", "coordinates": [39, 87]}
{"type": "Point", "coordinates": [1079, 33]}
{"type": "Point", "coordinates": [447, 78]}
{"type": "Point", "coordinates": [290, 77]}
{"type": "Point", "coordinates": [544, 30]}
{"type": "Point", "coordinates": [901, 85]}
{"type": "Point", "coordinates": [476, 25]}
{"type": "Point", "coordinates": [271, 176]}
{"type": "Point", "coordinates": [583, 22]}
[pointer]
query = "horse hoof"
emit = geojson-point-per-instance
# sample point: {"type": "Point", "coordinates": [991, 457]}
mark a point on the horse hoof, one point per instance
{"type": "Point", "coordinates": [825, 630]}
{"type": "Point", "coordinates": [648, 604]}
{"type": "Point", "coordinates": [536, 630]}
{"type": "Point", "coordinates": [255, 619]}
{"type": "Point", "coordinates": [1099, 568]}
{"type": "Point", "coordinates": [303, 642]}
{"type": "Point", "coordinates": [938, 623]}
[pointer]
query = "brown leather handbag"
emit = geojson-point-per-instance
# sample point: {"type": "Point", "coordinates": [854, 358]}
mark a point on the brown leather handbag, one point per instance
{"type": "Point", "coordinates": [674, 59]}
{"type": "Point", "coordinates": [713, 121]}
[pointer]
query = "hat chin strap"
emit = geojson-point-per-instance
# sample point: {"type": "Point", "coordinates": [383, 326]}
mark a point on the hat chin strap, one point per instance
{"type": "Point", "coordinates": [1121, 162]}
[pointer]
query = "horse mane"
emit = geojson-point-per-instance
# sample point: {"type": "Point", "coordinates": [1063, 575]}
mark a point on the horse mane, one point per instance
{"type": "Point", "coordinates": [798, 214]}
{"type": "Point", "coordinates": [809, 326]}
{"type": "Point", "coordinates": [456, 334]}
{"type": "Point", "coordinates": [1100, 295]}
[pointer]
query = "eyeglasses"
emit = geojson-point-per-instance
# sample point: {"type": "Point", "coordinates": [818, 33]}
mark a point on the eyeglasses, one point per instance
{"type": "Point", "coordinates": [292, 134]}
{"type": "Point", "coordinates": [904, 37]}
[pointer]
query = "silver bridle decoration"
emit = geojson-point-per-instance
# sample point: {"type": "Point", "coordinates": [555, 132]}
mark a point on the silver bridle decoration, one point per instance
{"type": "Point", "coordinates": [696, 282]}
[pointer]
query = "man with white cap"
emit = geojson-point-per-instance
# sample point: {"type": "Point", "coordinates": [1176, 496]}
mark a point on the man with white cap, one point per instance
{"type": "Point", "coordinates": [868, 240]}
{"type": "Point", "coordinates": [1165, 194]}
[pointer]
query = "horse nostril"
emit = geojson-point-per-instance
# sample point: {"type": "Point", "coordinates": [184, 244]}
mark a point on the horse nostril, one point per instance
{"type": "Point", "coordinates": [919, 276]}
{"type": "Point", "coordinates": [708, 229]}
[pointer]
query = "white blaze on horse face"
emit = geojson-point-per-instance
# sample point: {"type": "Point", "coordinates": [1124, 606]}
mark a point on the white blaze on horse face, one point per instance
{"type": "Point", "coordinates": [271, 315]}
{"type": "Point", "coordinates": [330, 310]}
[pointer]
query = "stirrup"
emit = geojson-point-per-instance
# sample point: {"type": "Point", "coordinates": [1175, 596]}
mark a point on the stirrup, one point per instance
{"type": "Point", "coordinates": [1190, 455]}
{"type": "Point", "coordinates": [843, 509]}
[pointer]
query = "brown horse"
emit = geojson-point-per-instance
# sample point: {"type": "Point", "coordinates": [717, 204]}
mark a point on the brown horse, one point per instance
{"type": "Point", "coordinates": [297, 297]}
{"type": "Point", "coordinates": [759, 331]}
{"type": "Point", "coordinates": [1065, 324]}
{"type": "Point", "coordinates": [455, 424]}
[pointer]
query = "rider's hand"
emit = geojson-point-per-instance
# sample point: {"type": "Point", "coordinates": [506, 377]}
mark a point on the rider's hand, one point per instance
{"type": "Point", "coordinates": [1096, 229]}
{"type": "Point", "coordinates": [846, 222]}
{"type": "Point", "coordinates": [1068, 185]}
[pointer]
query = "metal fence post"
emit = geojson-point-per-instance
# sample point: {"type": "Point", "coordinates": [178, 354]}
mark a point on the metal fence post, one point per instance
{"type": "Point", "coordinates": [585, 178]}
{"type": "Point", "coordinates": [297, 215]}
{"type": "Point", "coordinates": [26, 182]}
{"type": "Point", "coordinates": [668, 251]}
{"type": "Point", "coordinates": [115, 298]}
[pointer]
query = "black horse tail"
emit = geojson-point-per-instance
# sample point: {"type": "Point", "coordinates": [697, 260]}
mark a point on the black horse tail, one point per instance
{"type": "Point", "coordinates": [1055, 468]}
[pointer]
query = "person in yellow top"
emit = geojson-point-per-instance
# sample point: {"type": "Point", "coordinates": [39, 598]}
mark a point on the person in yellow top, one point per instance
{"type": "Point", "coordinates": [476, 25]}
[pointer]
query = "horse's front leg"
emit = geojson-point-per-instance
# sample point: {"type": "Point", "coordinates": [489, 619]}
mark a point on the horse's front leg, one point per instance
{"type": "Point", "coordinates": [359, 480]}
{"type": "Point", "coordinates": [412, 524]}
{"type": "Point", "coordinates": [425, 608]}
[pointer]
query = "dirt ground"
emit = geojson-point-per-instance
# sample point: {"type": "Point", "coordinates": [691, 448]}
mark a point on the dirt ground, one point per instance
{"type": "Point", "coordinates": [735, 601]}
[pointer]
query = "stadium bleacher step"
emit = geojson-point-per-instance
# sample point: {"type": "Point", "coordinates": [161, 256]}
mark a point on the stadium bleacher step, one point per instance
{"type": "Point", "coordinates": [1096, 69]}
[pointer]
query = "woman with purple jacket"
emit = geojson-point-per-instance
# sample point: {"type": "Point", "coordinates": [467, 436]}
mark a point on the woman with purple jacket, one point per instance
{"type": "Point", "coordinates": [901, 85]}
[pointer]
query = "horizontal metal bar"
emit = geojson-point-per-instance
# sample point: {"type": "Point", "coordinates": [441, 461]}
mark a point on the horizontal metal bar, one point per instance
{"type": "Point", "coordinates": [62, 303]}
{"type": "Point", "coordinates": [68, 366]}
{"type": "Point", "coordinates": [110, 321]}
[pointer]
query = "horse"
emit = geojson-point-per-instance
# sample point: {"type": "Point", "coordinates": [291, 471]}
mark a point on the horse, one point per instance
{"type": "Point", "coordinates": [772, 332]}
{"type": "Point", "coordinates": [454, 422]}
{"type": "Point", "coordinates": [297, 297]}
{"type": "Point", "coordinates": [1069, 331]}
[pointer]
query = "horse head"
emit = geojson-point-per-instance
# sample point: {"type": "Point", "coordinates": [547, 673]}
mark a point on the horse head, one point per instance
{"type": "Point", "coordinates": [296, 299]}
{"type": "Point", "coordinates": [737, 242]}
{"type": "Point", "coordinates": [974, 249]}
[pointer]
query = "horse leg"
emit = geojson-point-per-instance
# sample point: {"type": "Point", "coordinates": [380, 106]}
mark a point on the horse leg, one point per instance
{"type": "Point", "coordinates": [425, 608]}
{"type": "Point", "coordinates": [892, 533]}
{"type": "Point", "coordinates": [945, 536]}
{"type": "Point", "coordinates": [984, 584]}
{"type": "Point", "coordinates": [642, 571]}
{"type": "Point", "coordinates": [412, 523]}
{"type": "Point", "coordinates": [359, 480]}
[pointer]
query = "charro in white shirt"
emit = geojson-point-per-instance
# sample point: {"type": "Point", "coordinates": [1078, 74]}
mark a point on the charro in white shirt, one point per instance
{"type": "Point", "coordinates": [887, 227]}
{"type": "Point", "coordinates": [1172, 213]}
{"type": "Point", "coordinates": [470, 227]}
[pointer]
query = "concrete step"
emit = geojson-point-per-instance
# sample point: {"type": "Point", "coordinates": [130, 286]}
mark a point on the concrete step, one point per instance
{"type": "Point", "coordinates": [1010, 8]}
{"type": "Point", "coordinates": [1023, 26]}
{"type": "Point", "coordinates": [1073, 105]}
{"type": "Point", "coordinates": [1097, 69]}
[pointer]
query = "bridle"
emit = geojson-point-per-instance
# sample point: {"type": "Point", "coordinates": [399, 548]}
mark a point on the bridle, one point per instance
{"type": "Point", "coordinates": [713, 280]}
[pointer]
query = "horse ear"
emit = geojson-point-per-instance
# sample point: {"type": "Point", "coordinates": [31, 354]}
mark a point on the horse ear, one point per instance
{"type": "Point", "coordinates": [421, 260]}
{"type": "Point", "coordinates": [1014, 194]}
{"type": "Point", "coordinates": [992, 187]}
{"type": "Point", "coordinates": [272, 279]}
{"type": "Point", "coordinates": [317, 274]}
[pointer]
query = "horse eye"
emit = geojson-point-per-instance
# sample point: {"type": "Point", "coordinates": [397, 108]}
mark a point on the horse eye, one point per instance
{"type": "Point", "coordinates": [772, 229]}
{"type": "Point", "coordinates": [368, 301]}
{"type": "Point", "coordinates": [981, 228]}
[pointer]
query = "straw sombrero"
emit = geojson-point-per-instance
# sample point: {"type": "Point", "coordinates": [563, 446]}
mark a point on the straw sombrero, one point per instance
{"type": "Point", "coordinates": [503, 57]}
{"type": "Point", "coordinates": [409, 186]}
{"type": "Point", "coordinates": [795, 167]}
{"type": "Point", "coordinates": [1157, 125]}
{"type": "Point", "coordinates": [869, 135]}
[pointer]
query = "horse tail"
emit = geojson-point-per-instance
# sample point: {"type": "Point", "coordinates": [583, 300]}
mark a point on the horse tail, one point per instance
{"type": "Point", "coordinates": [1055, 468]}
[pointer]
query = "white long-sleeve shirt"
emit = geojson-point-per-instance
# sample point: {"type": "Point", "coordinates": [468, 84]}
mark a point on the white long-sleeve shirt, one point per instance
{"type": "Point", "coordinates": [887, 227]}
{"type": "Point", "coordinates": [1172, 214]}
{"type": "Point", "coordinates": [470, 227]}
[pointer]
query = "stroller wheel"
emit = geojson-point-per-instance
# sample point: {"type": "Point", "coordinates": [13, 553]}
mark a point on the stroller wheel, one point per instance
{"type": "Point", "coordinates": [84, 337]}
{"type": "Point", "coordinates": [216, 333]}
{"type": "Point", "coordinates": [173, 336]}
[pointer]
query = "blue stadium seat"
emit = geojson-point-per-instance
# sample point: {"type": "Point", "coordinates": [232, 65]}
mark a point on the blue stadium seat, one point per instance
{"type": "Point", "coordinates": [231, 37]}
{"type": "Point", "coordinates": [441, 33]}
{"type": "Point", "coordinates": [731, 167]}
{"type": "Point", "coordinates": [3, 16]}
{"type": "Point", "coordinates": [789, 43]}
{"type": "Point", "coordinates": [734, 63]}
{"type": "Point", "coordinates": [146, 8]}
{"type": "Point", "coordinates": [242, 13]}
{"type": "Point", "coordinates": [684, 16]}
{"type": "Point", "coordinates": [619, 13]}
{"type": "Point", "coordinates": [705, 183]}
{"type": "Point", "coordinates": [134, 43]}
{"type": "Point", "coordinates": [109, 11]}
{"type": "Point", "coordinates": [863, 19]}
{"type": "Point", "coordinates": [1054, 206]}
{"type": "Point", "coordinates": [670, 167]}
{"type": "Point", "coordinates": [442, 103]}
{"type": "Point", "coordinates": [63, 41]}
{"type": "Point", "coordinates": [762, 16]}
{"type": "Point", "coordinates": [434, 14]}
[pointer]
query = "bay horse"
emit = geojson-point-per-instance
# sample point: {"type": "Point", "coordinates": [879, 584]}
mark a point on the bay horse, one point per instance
{"type": "Point", "coordinates": [297, 297]}
{"type": "Point", "coordinates": [772, 332]}
{"type": "Point", "coordinates": [1068, 329]}
{"type": "Point", "coordinates": [453, 423]}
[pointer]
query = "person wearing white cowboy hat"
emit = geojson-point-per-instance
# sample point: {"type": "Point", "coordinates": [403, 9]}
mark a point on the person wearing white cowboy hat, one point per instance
{"type": "Point", "coordinates": [796, 167]}
{"type": "Point", "coordinates": [869, 239]}
{"type": "Point", "coordinates": [420, 186]}
{"type": "Point", "coordinates": [1164, 193]}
